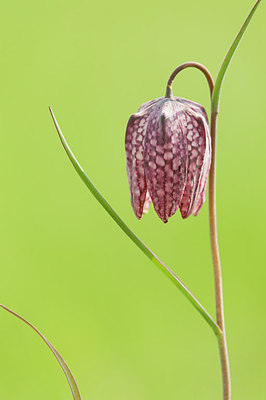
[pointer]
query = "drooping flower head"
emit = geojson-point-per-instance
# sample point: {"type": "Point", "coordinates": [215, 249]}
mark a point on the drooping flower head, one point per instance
{"type": "Point", "coordinates": [168, 151]}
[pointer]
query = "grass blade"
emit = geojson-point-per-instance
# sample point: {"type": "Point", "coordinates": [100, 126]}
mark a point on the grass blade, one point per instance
{"type": "Point", "coordinates": [166, 270]}
{"type": "Point", "coordinates": [70, 378]}
{"type": "Point", "coordinates": [228, 57]}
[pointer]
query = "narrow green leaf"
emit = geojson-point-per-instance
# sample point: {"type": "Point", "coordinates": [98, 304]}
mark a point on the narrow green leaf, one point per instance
{"type": "Point", "coordinates": [166, 270]}
{"type": "Point", "coordinates": [70, 378]}
{"type": "Point", "coordinates": [228, 57]}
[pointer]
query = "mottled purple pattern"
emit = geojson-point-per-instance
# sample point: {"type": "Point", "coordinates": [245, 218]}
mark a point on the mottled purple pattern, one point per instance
{"type": "Point", "coordinates": [165, 157]}
{"type": "Point", "coordinates": [196, 134]}
{"type": "Point", "coordinates": [136, 129]}
{"type": "Point", "coordinates": [201, 193]}
{"type": "Point", "coordinates": [168, 149]}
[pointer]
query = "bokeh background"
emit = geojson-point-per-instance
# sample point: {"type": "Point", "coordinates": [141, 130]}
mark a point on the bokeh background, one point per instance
{"type": "Point", "coordinates": [124, 329]}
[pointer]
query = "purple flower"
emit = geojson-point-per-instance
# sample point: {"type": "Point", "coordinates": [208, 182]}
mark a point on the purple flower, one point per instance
{"type": "Point", "coordinates": [168, 151]}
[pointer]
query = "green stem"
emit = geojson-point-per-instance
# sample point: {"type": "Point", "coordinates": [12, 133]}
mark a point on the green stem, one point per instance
{"type": "Point", "coordinates": [164, 268]}
{"type": "Point", "coordinates": [217, 266]}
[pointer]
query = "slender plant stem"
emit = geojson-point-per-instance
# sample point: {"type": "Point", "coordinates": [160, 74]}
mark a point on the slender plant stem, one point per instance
{"type": "Point", "coordinates": [217, 266]}
{"type": "Point", "coordinates": [213, 230]}
{"type": "Point", "coordinates": [212, 209]}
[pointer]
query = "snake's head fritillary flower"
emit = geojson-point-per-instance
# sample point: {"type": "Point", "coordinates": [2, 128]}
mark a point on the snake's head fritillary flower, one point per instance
{"type": "Point", "coordinates": [168, 151]}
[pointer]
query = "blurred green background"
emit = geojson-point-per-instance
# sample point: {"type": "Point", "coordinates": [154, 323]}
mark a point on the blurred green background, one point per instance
{"type": "Point", "coordinates": [124, 329]}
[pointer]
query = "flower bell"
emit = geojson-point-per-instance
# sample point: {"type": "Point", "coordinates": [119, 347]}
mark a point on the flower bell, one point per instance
{"type": "Point", "coordinates": [168, 152]}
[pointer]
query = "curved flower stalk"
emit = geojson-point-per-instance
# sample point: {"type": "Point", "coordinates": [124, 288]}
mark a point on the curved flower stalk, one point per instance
{"type": "Point", "coordinates": [165, 167]}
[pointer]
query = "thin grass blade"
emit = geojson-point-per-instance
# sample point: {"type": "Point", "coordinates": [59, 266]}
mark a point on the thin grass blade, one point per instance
{"type": "Point", "coordinates": [70, 378]}
{"type": "Point", "coordinates": [228, 58]}
{"type": "Point", "coordinates": [166, 270]}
